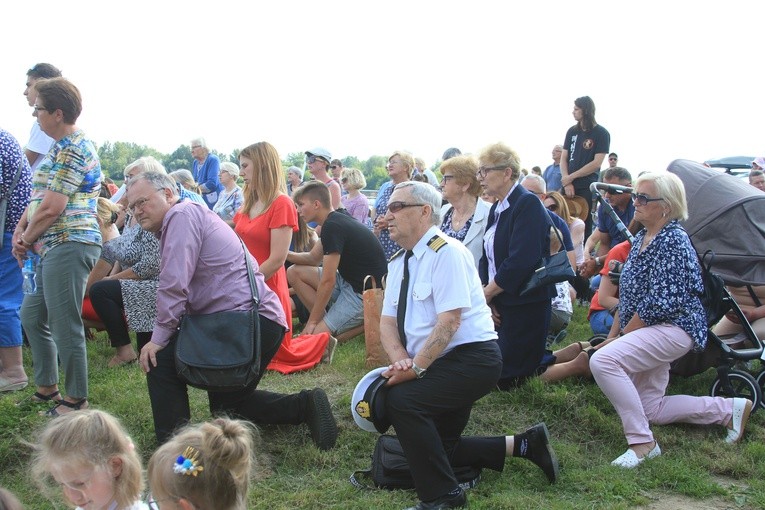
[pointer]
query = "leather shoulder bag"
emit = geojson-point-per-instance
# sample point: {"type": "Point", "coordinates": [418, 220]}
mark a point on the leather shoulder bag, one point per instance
{"type": "Point", "coordinates": [221, 351]}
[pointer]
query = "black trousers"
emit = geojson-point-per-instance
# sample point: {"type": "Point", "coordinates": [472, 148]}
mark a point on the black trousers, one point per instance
{"type": "Point", "coordinates": [522, 335]}
{"type": "Point", "coordinates": [429, 415]}
{"type": "Point", "coordinates": [170, 400]}
{"type": "Point", "coordinates": [106, 298]}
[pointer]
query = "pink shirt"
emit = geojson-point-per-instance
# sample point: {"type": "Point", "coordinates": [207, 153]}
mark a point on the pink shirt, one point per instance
{"type": "Point", "coordinates": [203, 271]}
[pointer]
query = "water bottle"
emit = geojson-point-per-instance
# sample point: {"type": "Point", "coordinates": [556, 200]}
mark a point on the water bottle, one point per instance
{"type": "Point", "coordinates": [29, 271]}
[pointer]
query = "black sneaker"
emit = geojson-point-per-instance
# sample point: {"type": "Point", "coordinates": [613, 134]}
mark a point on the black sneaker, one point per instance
{"type": "Point", "coordinates": [540, 451]}
{"type": "Point", "coordinates": [458, 500]}
{"type": "Point", "coordinates": [320, 420]}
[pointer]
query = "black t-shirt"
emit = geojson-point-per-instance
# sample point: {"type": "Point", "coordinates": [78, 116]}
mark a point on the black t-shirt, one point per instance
{"type": "Point", "coordinates": [361, 253]}
{"type": "Point", "coordinates": [582, 147]}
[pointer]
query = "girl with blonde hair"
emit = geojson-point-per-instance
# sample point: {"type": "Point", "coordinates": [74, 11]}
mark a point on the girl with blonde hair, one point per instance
{"type": "Point", "coordinates": [90, 456]}
{"type": "Point", "coordinates": [204, 467]}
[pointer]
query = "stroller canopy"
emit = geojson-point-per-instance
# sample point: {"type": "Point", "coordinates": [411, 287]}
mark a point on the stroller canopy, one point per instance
{"type": "Point", "coordinates": [727, 216]}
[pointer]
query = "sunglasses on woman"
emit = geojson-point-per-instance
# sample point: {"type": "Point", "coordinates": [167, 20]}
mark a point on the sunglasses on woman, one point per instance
{"type": "Point", "coordinates": [643, 199]}
{"type": "Point", "coordinates": [552, 207]}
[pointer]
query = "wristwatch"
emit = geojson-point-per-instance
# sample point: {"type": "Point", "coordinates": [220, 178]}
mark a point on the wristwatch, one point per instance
{"type": "Point", "coordinates": [419, 372]}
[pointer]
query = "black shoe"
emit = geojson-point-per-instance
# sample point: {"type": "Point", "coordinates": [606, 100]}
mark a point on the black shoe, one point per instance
{"type": "Point", "coordinates": [540, 451]}
{"type": "Point", "coordinates": [458, 500]}
{"type": "Point", "coordinates": [320, 420]}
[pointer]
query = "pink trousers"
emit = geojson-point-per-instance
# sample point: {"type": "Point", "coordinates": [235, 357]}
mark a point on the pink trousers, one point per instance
{"type": "Point", "coordinates": [633, 372]}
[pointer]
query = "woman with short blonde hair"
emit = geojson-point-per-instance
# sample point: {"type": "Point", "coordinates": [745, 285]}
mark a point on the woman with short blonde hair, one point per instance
{"type": "Point", "coordinates": [357, 205]}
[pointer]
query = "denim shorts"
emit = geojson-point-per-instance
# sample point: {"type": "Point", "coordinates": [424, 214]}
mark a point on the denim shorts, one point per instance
{"type": "Point", "coordinates": [346, 307]}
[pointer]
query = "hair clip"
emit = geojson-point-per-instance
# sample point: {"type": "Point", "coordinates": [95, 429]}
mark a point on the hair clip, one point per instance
{"type": "Point", "coordinates": [187, 464]}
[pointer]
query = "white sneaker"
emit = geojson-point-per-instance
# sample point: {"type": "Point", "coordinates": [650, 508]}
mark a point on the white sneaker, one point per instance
{"type": "Point", "coordinates": [742, 408]}
{"type": "Point", "coordinates": [630, 460]}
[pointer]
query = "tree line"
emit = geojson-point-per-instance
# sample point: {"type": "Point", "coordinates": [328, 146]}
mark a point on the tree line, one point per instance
{"type": "Point", "coordinates": [115, 156]}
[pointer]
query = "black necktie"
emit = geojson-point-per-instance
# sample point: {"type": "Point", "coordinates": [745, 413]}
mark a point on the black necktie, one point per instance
{"type": "Point", "coordinates": [402, 295]}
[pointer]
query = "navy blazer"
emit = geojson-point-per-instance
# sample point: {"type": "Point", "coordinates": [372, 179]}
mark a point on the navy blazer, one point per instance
{"type": "Point", "coordinates": [522, 238]}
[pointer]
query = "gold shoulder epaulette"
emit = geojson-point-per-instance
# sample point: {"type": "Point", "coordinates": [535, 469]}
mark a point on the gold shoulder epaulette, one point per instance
{"type": "Point", "coordinates": [398, 253]}
{"type": "Point", "coordinates": [436, 243]}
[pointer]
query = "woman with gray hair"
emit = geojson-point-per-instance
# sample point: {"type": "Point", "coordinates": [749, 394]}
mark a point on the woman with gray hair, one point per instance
{"type": "Point", "coordinates": [661, 318]}
{"type": "Point", "coordinates": [231, 198]}
{"type": "Point", "coordinates": [206, 171]}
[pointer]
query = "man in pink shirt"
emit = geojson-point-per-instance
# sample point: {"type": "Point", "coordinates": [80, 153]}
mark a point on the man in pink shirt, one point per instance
{"type": "Point", "coordinates": [203, 271]}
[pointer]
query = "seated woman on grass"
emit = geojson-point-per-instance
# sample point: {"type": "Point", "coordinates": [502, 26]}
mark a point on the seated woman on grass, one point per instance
{"type": "Point", "coordinates": [661, 318]}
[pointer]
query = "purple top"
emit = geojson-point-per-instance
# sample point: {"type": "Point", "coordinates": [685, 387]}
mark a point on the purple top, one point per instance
{"type": "Point", "coordinates": [202, 271]}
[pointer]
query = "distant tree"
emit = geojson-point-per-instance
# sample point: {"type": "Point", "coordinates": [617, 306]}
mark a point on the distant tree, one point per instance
{"type": "Point", "coordinates": [375, 172]}
{"type": "Point", "coordinates": [180, 158]}
{"type": "Point", "coordinates": [235, 156]}
{"type": "Point", "coordinates": [115, 156]}
{"type": "Point", "coordinates": [294, 159]}
{"type": "Point", "coordinates": [352, 162]}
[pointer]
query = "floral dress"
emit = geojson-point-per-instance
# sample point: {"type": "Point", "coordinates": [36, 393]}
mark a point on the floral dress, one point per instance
{"type": "Point", "coordinates": [446, 227]}
{"type": "Point", "coordinates": [389, 246]}
{"type": "Point", "coordinates": [139, 250]}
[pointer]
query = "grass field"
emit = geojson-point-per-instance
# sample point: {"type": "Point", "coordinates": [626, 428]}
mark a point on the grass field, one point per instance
{"type": "Point", "coordinates": [697, 470]}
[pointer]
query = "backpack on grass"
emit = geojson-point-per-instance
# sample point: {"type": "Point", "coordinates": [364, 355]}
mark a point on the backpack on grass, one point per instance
{"type": "Point", "coordinates": [390, 470]}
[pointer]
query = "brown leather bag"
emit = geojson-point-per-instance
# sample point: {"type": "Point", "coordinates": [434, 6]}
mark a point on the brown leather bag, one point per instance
{"type": "Point", "coordinates": [373, 302]}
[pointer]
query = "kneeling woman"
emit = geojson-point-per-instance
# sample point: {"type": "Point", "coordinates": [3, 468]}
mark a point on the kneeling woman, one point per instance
{"type": "Point", "coordinates": [661, 319]}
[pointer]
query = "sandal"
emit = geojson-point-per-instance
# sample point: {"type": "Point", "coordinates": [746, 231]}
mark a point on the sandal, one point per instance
{"type": "Point", "coordinates": [73, 406]}
{"type": "Point", "coordinates": [39, 398]}
{"type": "Point", "coordinates": [116, 361]}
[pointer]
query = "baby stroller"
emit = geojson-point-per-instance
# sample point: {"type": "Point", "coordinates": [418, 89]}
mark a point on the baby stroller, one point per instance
{"type": "Point", "coordinates": [715, 205]}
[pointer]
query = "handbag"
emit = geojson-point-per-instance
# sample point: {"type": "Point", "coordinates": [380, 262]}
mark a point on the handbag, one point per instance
{"type": "Point", "coordinates": [373, 301]}
{"type": "Point", "coordinates": [5, 197]}
{"type": "Point", "coordinates": [390, 469]}
{"type": "Point", "coordinates": [551, 269]}
{"type": "Point", "coordinates": [221, 351]}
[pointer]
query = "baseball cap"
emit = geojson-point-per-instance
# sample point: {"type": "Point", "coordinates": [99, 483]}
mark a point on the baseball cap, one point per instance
{"type": "Point", "coordinates": [320, 152]}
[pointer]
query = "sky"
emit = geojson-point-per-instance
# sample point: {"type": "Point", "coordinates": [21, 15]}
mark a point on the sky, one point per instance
{"type": "Point", "coordinates": [670, 79]}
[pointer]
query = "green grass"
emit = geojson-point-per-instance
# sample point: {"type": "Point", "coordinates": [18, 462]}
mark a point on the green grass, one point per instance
{"type": "Point", "coordinates": [586, 434]}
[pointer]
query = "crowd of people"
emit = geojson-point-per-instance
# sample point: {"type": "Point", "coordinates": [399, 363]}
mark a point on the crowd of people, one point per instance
{"type": "Point", "coordinates": [167, 245]}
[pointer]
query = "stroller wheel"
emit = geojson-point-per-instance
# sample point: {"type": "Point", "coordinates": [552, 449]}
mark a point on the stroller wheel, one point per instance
{"type": "Point", "coordinates": [761, 382]}
{"type": "Point", "coordinates": [739, 384]}
{"type": "Point", "coordinates": [597, 339]}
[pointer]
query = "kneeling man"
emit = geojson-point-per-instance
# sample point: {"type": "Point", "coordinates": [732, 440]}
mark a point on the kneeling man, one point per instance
{"type": "Point", "coordinates": [437, 331]}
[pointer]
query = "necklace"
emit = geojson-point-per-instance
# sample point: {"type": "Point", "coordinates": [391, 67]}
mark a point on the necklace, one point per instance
{"type": "Point", "coordinates": [458, 222]}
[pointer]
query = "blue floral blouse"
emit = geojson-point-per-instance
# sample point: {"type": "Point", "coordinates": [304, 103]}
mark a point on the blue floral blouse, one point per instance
{"type": "Point", "coordinates": [663, 284]}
